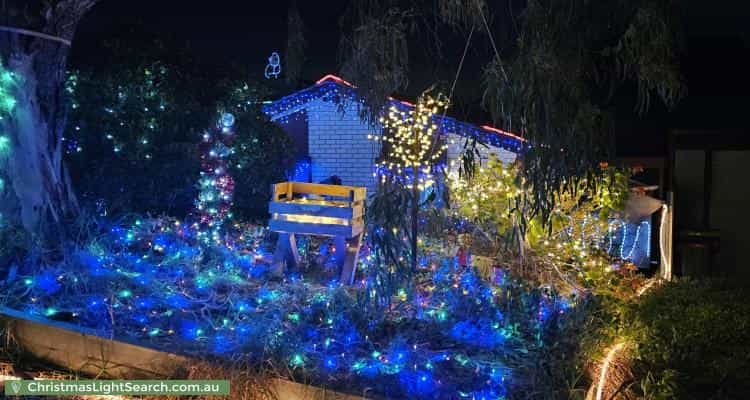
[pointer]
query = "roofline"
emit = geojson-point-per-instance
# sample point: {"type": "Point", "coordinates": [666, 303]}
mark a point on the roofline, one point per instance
{"type": "Point", "coordinates": [501, 132]}
{"type": "Point", "coordinates": [337, 79]}
{"type": "Point", "coordinates": [342, 81]}
{"type": "Point", "coordinates": [330, 78]}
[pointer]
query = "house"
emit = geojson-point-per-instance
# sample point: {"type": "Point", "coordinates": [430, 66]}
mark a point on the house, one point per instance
{"type": "Point", "coordinates": [324, 124]}
{"type": "Point", "coordinates": [330, 139]}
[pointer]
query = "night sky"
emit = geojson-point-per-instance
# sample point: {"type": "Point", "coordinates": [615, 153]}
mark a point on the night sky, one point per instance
{"type": "Point", "coordinates": [224, 32]}
{"type": "Point", "coordinates": [242, 34]}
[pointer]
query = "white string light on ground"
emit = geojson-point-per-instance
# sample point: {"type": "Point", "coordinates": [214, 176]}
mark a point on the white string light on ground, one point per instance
{"type": "Point", "coordinates": [605, 376]}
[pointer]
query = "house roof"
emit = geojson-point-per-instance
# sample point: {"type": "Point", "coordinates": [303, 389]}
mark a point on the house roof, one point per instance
{"type": "Point", "coordinates": [331, 87]}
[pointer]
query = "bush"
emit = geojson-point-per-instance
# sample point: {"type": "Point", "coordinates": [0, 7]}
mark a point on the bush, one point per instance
{"type": "Point", "coordinates": [687, 340]}
{"type": "Point", "coordinates": [133, 133]}
{"type": "Point", "coordinates": [692, 337]}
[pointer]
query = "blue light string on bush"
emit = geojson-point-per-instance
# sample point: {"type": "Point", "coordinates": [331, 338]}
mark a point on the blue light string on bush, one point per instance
{"type": "Point", "coordinates": [165, 287]}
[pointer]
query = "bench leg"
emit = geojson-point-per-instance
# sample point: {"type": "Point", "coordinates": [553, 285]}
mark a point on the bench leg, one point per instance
{"type": "Point", "coordinates": [285, 255]}
{"type": "Point", "coordinates": [347, 257]}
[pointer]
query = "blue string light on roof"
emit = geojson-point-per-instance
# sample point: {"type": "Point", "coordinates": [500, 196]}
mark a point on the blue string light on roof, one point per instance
{"type": "Point", "coordinates": [302, 171]}
{"type": "Point", "coordinates": [298, 116]}
{"type": "Point", "coordinates": [332, 88]}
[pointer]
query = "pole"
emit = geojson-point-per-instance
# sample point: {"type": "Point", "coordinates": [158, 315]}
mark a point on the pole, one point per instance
{"type": "Point", "coordinates": [415, 203]}
{"type": "Point", "coordinates": [414, 220]}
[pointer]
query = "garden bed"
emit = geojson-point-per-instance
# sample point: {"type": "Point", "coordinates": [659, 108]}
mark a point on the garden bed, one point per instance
{"type": "Point", "coordinates": [81, 351]}
{"type": "Point", "coordinates": [149, 283]}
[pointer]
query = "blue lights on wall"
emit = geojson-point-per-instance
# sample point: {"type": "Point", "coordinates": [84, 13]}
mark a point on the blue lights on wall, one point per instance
{"type": "Point", "coordinates": [302, 171]}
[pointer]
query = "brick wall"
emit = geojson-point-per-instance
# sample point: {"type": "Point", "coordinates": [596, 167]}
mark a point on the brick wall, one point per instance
{"type": "Point", "coordinates": [339, 145]}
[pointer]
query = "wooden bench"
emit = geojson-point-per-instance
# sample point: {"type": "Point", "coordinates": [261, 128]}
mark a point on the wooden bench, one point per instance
{"type": "Point", "coordinates": [320, 210]}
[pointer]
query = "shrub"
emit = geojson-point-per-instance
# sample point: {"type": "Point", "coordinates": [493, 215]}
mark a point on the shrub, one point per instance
{"type": "Point", "coordinates": [692, 337]}
{"type": "Point", "coordinates": [133, 133]}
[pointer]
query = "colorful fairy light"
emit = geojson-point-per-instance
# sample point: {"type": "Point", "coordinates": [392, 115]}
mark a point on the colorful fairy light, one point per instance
{"type": "Point", "coordinates": [8, 80]}
{"type": "Point", "coordinates": [171, 285]}
{"type": "Point", "coordinates": [216, 185]}
{"type": "Point", "coordinates": [611, 234]}
{"type": "Point", "coordinates": [147, 280]}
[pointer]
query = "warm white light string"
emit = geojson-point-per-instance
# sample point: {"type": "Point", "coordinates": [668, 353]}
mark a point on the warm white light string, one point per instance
{"type": "Point", "coordinates": [663, 231]}
{"type": "Point", "coordinates": [614, 350]}
{"type": "Point", "coordinates": [605, 368]}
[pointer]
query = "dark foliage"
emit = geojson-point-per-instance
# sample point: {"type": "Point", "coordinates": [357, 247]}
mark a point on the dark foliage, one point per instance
{"type": "Point", "coordinates": [133, 135]}
{"type": "Point", "coordinates": [693, 341]}
{"type": "Point", "coordinates": [550, 75]}
{"type": "Point", "coordinates": [554, 85]}
{"type": "Point", "coordinates": [262, 155]}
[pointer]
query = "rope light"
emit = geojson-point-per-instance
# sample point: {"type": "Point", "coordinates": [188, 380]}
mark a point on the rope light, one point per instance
{"type": "Point", "coordinates": [40, 35]}
{"type": "Point", "coordinates": [665, 262]}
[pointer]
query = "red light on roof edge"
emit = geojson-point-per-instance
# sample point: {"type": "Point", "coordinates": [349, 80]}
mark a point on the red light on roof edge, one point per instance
{"type": "Point", "coordinates": [334, 78]}
{"type": "Point", "coordinates": [502, 132]}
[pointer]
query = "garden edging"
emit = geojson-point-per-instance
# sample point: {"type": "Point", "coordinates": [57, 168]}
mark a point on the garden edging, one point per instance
{"type": "Point", "coordinates": [83, 350]}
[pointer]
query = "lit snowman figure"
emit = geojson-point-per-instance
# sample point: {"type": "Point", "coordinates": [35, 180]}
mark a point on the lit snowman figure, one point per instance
{"type": "Point", "coordinates": [273, 69]}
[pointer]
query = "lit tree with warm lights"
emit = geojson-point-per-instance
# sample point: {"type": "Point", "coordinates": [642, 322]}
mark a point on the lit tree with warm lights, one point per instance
{"type": "Point", "coordinates": [411, 148]}
{"type": "Point", "coordinates": [571, 251]}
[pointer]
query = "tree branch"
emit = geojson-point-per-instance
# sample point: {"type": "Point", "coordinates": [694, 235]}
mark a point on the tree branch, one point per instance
{"type": "Point", "coordinates": [62, 17]}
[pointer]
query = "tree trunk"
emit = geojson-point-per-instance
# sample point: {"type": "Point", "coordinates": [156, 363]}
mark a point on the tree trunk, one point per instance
{"type": "Point", "coordinates": [39, 186]}
{"type": "Point", "coordinates": [415, 207]}
{"type": "Point", "coordinates": [415, 221]}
